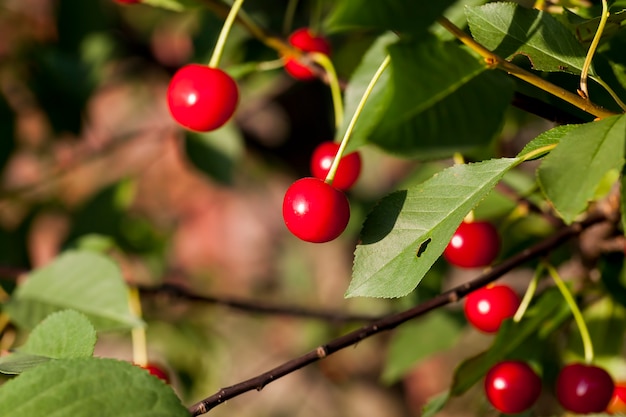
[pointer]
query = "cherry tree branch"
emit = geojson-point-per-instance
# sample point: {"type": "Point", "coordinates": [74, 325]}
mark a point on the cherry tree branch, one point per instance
{"type": "Point", "coordinates": [256, 306]}
{"type": "Point", "coordinates": [393, 320]}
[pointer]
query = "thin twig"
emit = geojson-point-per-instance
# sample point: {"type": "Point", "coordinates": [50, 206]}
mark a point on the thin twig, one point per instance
{"type": "Point", "coordinates": [391, 321]}
{"type": "Point", "coordinates": [258, 307]}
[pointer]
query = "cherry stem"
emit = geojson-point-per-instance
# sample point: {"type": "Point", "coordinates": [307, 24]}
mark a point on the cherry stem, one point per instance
{"type": "Point", "coordinates": [592, 50]}
{"type": "Point", "coordinates": [138, 333]}
{"type": "Point", "coordinates": [528, 296]}
{"type": "Point", "coordinates": [359, 109]}
{"type": "Point", "coordinates": [333, 82]}
{"type": "Point", "coordinates": [494, 60]}
{"type": "Point", "coordinates": [290, 12]}
{"type": "Point", "coordinates": [578, 317]}
{"type": "Point", "coordinates": [221, 40]}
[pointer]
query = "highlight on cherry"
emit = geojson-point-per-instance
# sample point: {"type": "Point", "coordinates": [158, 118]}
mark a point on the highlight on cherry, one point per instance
{"type": "Point", "coordinates": [348, 170]}
{"type": "Point", "coordinates": [475, 244]}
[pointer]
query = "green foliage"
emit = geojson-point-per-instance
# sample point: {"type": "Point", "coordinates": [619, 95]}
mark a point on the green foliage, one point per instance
{"type": "Point", "coordinates": [83, 387]}
{"type": "Point", "coordinates": [421, 221]}
{"type": "Point", "coordinates": [61, 335]}
{"type": "Point", "coordinates": [570, 175]}
{"type": "Point", "coordinates": [83, 281]}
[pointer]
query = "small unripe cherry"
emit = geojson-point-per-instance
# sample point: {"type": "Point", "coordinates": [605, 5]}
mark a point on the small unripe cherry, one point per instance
{"type": "Point", "coordinates": [348, 169]}
{"type": "Point", "coordinates": [512, 386]}
{"type": "Point", "coordinates": [487, 307]}
{"type": "Point", "coordinates": [202, 98]}
{"type": "Point", "coordinates": [474, 244]}
{"type": "Point", "coordinates": [305, 40]}
{"type": "Point", "coordinates": [315, 211]}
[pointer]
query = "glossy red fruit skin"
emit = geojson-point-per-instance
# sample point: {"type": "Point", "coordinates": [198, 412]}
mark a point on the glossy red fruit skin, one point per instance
{"type": "Point", "coordinates": [201, 98]}
{"type": "Point", "coordinates": [315, 211]}
{"type": "Point", "coordinates": [473, 245]}
{"type": "Point", "coordinates": [512, 386]}
{"type": "Point", "coordinates": [584, 388]}
{"type": "Point", "coordinates": [157, 371]}
{"type": "Point", "coordinates": [618, 400]}
{"type": "Point", "coordinates": [347, 172]}
{"type": "Point", "coordinates": [487, 307]}
{"type": "Point", "coordinates": [305, 40]}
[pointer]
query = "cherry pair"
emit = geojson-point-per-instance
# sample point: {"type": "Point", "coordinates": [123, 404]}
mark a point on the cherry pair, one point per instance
{"type": "Point", "coordinates": [314, 210]}
{"type": "Point", "coordinates": [513, 387]}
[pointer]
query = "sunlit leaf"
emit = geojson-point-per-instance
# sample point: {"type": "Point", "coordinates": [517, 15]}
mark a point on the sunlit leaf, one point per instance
{"type": "Point", "coordinates": [420, 221]}
{"type": "Point", "coordinates": [570, 175]}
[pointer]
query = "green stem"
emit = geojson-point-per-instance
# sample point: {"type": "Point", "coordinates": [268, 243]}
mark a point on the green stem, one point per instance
{"type": "Point", "coordinates": [592, 49]}
{"type": "Point", "coordinates": [610, 91]}
{"type": "Point", "coordinates": [355, 117]}
{"type": "Point", "coordinates": [290, 12]}
{"type": "Point", "coordinates": [496, 61]}
{"type": "Point", "coordinates": [333, 82]}
{"type": "Point", "coordinates": [221, 40]}
{"type": "Point", "coordinates": [578, 317]}
{"type": "Point", "coordinates": [528, 296]}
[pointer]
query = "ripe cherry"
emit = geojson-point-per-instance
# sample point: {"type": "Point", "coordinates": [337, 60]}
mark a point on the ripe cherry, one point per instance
{"type": "Point", "coordinates": [128, 1]}
{"type": "Point", "coordinates": [305, 40]}
{"type": "Point", "coordinates": [584, 388]}
{"type": "Point", "coordinates": [512, 386]}
{"type": "Point", "coordinates": [315, 211]}
{"type": "Point", "coordinates": [157, 371]}
{"type": "Point", "coordinates": [348, 170]}
{"type": "Point", "coordinates": [487, 307]}
{"type": "Point", "coordinates": [202, 98]}
{"type": "Point", "coordinates": [474, 244]}
{"type": "Point", "coordinates": [618, 401]}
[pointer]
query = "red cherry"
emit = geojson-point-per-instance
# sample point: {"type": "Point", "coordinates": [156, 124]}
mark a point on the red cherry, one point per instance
{"type": "Point", "coordinates": [474, 244]}
{"type": "Point", "coordinates": [584, 388]}
{"type": "Point", "coordinates": [202, 98]}
{"type": "Point", "coordinates": [306, 41]}
{"type": "Point", "coordinates": [157, 371]}
{"type": "Point", "coordinates": [315, 211]}
{"type": "Point", "coordinates": [127, 1]}
{"type": "Point", "coordinates": [618, 401]}
{"type": "Point", "coordinates": [348, 170]}
{"type": "Point", "coordinates": [487, 307]}
{"type": "Point", "coordinates": [512, 386]}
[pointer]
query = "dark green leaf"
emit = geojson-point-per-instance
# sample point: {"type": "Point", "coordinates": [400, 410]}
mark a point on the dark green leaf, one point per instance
{"type": "Point", "coordinates": [571, 174]}
{"type": "Point", "coordinates": [376, 103]}
{"type": "Point", "coordinates": [87, 387]}
{"type": "Point", "coordinates": [441, 100]}
{"type": "Point", "coordinates": [396, 15]}
{"type": "Point", "coordinates": [509, 29]}
{"type": "Point", "coordinates": [215, 153]}
{"type": "Point", "coordinates": [435, 404]}
{"type": "Point", "coordinates": [386, 262]}
{"type": "Point", "coordinates": [83, 281]}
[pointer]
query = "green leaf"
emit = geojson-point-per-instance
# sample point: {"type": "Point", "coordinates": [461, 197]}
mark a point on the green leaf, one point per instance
{"type": "Point", "coordinates": [508, 29]}
{"type": "Point", "coordinates": [86, 387]}
{"type": "Point", "coordinates": [376, 103]}
{"type": "Point", "coordinates": [570, 175]}
{"type": "Point", "coordinates": [396, 15]}
{"type": "Point", "coordinates": [455, 14]}
{"type": "Point", "coordinates": [404, 353]}
{"type": "Point", "coordinates": [83, 281]}
{"type": "Point", "coordinates": [545, 140]}
{"type": "Point", "coordinates": [540, 321]}
{"type": "Point", "coordinates": [418, 221]}
{"type": "Point", "coordinates": [65, 334]}
{"type": "Point", "coordinates": [435, 404]}
{"type": "Point", "coordinates": [430, 81]}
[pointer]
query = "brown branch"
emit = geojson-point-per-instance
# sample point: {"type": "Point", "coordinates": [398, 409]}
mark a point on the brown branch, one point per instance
{"type": "Point", "coordinates": [391, 321]}
{"type": "Point", "coordinates": [255, 306]}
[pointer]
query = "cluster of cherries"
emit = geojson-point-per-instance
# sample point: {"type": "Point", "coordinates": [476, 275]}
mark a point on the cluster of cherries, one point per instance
{"type": "Point", "coordinates": [512, 386]}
